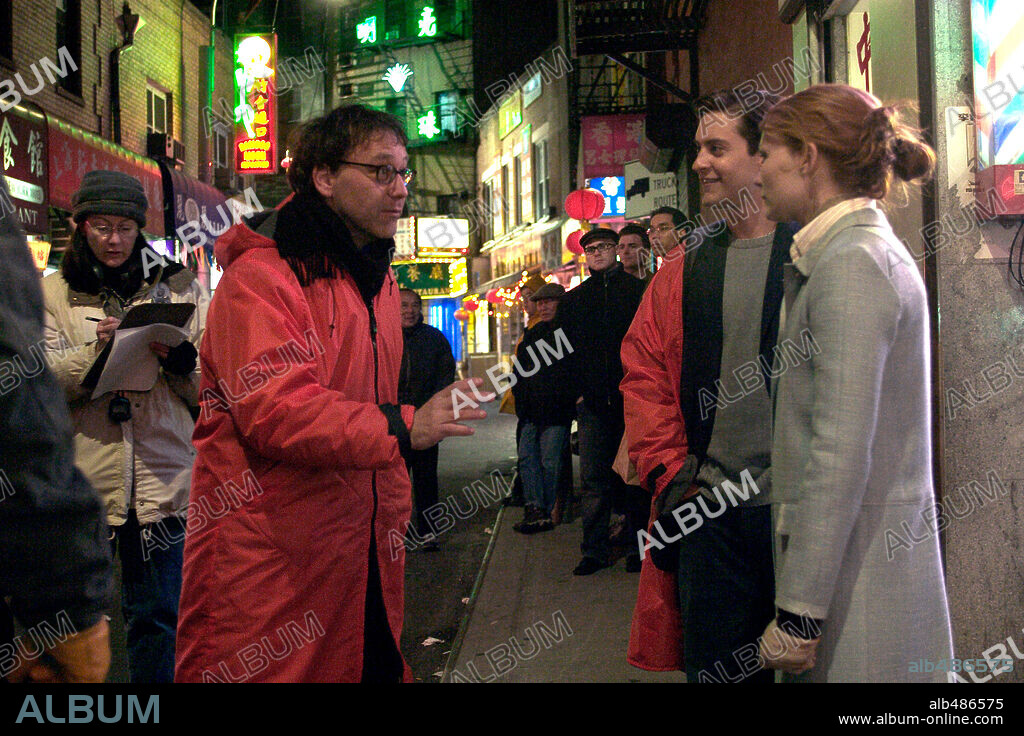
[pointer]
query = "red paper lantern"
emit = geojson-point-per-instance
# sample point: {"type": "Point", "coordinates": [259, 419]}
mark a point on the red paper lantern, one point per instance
{"type": "Point", "coordinates": [472, 305]}
{"type": "Point", "coordinates": [492, 296]}
{"type": "Point", "coordinates": [461, 314]}
{"type": "Point", "coordinates": [584, 204]}
{"type": "Point", "coordinates": [572, 242]}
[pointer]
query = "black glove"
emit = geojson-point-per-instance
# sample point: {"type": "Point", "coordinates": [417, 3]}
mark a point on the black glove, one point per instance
{"type": "Point", "coordinates": [180, 360]}
{"type": "Point", "coordinates": [666, 559]}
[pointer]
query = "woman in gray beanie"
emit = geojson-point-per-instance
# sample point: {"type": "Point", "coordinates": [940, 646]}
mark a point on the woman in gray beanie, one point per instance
{"type": "Point", "coordinates": [134, 446]}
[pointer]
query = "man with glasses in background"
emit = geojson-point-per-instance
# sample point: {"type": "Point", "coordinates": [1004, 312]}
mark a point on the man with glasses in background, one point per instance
{"type": "Point", "coordinates": [300, 409]}
{"type": "Point", "coordinates": [595, 316]}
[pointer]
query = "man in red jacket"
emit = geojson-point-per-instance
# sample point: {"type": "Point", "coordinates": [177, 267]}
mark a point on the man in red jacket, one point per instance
{"type": "Point", "coordinates": [698, 369]}
{"type": "Point", "coordinates": [299, 482]}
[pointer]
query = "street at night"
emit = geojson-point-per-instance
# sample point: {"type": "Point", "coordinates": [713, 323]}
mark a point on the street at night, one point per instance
{"type": "Point", "coordinates": [556, 342]}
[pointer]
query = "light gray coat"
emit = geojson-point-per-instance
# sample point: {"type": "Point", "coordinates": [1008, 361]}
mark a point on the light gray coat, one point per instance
{"type": "Point", "coordinates": [852, 458]}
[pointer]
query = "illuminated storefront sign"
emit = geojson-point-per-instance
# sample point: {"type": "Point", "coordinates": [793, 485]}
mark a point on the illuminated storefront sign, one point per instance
{"type": "Point", "coordinates": [442, 236]}
{"type": "Point", "coordinates": [510, 114]}
{"type": "Point", "coordinates": [255, 106]}
{"type": "Point", "coordinates": [433, 277]}
{"type": "Point", "coordinates": [614, 190]}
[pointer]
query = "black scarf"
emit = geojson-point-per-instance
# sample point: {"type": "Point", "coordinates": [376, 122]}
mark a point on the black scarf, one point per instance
{"type": "Point", "coordinates": [317, 244]}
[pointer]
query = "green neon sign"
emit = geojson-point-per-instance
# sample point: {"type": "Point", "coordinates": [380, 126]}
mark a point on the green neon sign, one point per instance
{"type": "Point", "coordinates": [427, 125]}
{"type": "Point", "coordinates": [366, 32]}
{"type": "Point", "coordinates": [428, 23]}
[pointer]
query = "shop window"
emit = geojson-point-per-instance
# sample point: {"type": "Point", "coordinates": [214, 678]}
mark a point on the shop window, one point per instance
{"type": "Point", "coordinates": [69, 36]}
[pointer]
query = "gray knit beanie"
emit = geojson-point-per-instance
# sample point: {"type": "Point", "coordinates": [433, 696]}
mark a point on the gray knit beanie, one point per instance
{"type": "Point", "coordinates": [110, 193]}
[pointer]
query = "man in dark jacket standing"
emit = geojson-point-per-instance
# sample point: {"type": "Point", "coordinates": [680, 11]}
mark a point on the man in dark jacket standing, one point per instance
{"type": "Point", "coordinates": [427, 367]}
{"type": "Point", "coordinates": [544, 404]}
{"type": "Point", "coordinates": [54, 555]}
{"type": "Point", "coordinates": [595, 316]}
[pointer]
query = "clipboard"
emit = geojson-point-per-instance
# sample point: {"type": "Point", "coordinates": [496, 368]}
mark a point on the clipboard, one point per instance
{"type": "Point", "coordinates": [176, 315]}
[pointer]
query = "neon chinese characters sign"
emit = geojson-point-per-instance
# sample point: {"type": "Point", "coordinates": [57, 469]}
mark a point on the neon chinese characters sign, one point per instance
{"type": "Point", "coordinates": [255, 106]}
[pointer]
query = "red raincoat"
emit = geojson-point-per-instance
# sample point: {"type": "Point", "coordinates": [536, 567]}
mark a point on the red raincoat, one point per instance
{"type": "Point", "coordinates": [652, 360]}
{"type": "Point", "coordinates": [294, 464]}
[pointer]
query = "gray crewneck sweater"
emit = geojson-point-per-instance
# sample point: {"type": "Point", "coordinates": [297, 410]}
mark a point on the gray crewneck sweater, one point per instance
{"type": "Point", "coordinates": [741, 438]}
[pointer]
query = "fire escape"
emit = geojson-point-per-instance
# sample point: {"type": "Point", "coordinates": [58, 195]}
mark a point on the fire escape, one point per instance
{"type": "Point", "coordinates": [446, 160]}
{"type": "Point", "coordinates": [612, 40]}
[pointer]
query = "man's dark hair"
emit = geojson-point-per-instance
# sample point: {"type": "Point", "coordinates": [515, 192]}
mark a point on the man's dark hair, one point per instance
{"type": "Point", "coordinates": [748, 111]}
{"type": "Point", "coordinates": [327, 141]}
{"type": "Point", "coordinates": [678, 218]}
{"type": "Point", "coordinates": [407, 290]}
{"type": "Point", "coordinates": [633, 228]}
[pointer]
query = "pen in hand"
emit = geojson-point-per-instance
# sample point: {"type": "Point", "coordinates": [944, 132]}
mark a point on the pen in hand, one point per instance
{"type": "Point", "coordinates": [93, 319]}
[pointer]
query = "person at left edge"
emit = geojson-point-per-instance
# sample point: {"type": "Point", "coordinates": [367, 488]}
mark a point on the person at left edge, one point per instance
{"type": "Point", "coordinates": [427, 367]}
{"type": "Point", "coordinates": [301, 580]}
{"type": "Point", "coordinates": [54, 555]}
{"type": "Point", "coordinates": [135, 447]}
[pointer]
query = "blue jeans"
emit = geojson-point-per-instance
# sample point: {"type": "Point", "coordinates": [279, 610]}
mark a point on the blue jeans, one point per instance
{"type": "Point", "coordinates": [151, 560]}
{"type": "Point", "coordinates": [599, 443]}
{"type": "Point", "coordinates": [540, 463]}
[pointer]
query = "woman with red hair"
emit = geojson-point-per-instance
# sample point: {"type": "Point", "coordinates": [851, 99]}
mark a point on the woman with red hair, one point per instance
{"type": "Point", "coordinates": [851, 453]}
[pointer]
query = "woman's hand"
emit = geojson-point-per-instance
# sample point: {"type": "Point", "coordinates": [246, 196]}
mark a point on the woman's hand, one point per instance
{"type": "Point", "coordinates": [782, 651]}
{"type": "Point", "coordinates": [105, 329]}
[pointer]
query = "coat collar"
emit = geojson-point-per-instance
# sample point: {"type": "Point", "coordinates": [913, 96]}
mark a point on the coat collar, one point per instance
{"type": "Point", "coordinates": [865, 216]}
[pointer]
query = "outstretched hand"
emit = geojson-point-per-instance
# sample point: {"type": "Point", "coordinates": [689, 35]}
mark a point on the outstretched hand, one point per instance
{"type": "Point", "coordinates": [440, 416]}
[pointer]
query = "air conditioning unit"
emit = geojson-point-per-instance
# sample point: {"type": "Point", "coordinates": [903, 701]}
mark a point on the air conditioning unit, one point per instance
{"type": "Point", "coordinates": [162, 145]}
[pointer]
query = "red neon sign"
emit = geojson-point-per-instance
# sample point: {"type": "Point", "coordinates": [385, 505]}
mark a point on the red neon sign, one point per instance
{"type": "Point", "coordinates": [255, 105]}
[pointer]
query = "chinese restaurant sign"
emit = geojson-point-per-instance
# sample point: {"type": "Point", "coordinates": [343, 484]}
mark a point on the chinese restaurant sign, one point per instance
{"type": "Point", "coordinates": [23, 151]}
{"type": "Point", "coordinates": [433, 278]}
{"type": "Point", "coordinates": [255, 106]}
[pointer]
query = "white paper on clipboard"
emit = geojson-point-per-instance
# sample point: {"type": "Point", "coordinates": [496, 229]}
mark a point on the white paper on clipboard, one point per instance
{"type": "Point", "coordinates": [132, 366]}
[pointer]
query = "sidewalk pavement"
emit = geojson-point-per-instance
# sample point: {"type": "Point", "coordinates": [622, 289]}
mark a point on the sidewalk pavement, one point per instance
{"type": "Point", "coordinates": [534, 621]}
